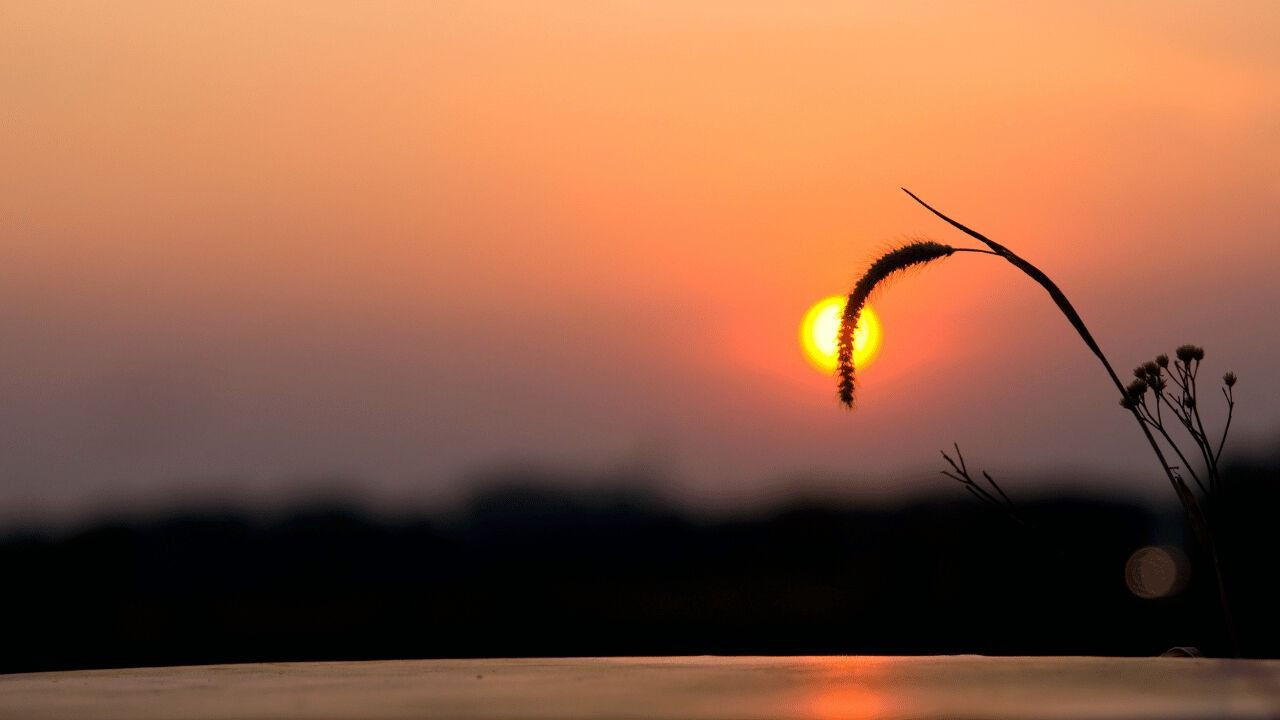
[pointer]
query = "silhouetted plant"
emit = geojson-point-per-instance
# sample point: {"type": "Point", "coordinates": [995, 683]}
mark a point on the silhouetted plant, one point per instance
{"type": "Point", "coordinates": [892, 262]}
{"type": "Point", "coordinates": [1170, 389]}
{"type": "Point", "coordinates": [960, 473]}
{"type": "Point", "coordinates": [1175, 388]}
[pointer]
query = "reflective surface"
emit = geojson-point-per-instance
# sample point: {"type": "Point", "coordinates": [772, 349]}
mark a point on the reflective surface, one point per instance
{"type": "Point", "coordinates": [689, 688]}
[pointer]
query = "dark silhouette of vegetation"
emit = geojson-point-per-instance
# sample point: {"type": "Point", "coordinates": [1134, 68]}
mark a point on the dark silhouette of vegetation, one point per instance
{"type": "Point", "coordinates": [1180, 398]}
{"type": "Point", "coordinates": [528, 570]}
{"type": "Point", "coordinates": [960, 473]}
{"type": "Point", "coordinates": [893, 262]}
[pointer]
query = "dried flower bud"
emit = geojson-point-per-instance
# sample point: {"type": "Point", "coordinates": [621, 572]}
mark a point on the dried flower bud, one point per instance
{"type": "Point", "coordinates": [1137, 389]}
{"type": "Point", "coordinates": [1151, 368]}
{"type": "Point", "coordinates": [1162, 360]}
{"type": "Point", "coordinates": [1158, 383]}
{"type": "Point", "coordinates": [1187, 353]}
{"type": "Point", "coordinates": [1229, 379]}
{"type": "Point", "coordinates": [1140, 372]}
{"type": "Point", "coordinates": [1189, 401]}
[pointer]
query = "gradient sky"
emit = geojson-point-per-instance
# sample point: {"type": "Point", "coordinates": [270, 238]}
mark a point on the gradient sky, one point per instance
{"type": "Point", "coordinates": [260, 244]}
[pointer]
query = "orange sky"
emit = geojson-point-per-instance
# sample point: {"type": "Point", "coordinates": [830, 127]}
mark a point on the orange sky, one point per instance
{"type": "Point", "coordinates": [404, 242]}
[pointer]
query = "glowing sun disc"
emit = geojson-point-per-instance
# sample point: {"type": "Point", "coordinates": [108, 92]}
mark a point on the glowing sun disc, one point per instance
{"type": "Point", "coordinates": [820, 334]}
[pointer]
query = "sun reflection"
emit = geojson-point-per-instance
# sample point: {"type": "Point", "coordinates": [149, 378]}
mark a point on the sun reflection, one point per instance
{"type": "Point", "coordinates": [845, 702]}
{"type": "Point", "coordinates": [845, 690]}
{"type": "Point", "coordinates": [820, 333]}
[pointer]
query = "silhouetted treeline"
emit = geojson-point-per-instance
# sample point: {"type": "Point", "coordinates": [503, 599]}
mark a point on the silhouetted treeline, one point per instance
{"type": "Point", "coordinates": [526, 570]}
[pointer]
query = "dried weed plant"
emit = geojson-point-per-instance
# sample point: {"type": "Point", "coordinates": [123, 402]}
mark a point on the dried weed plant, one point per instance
{"type": "Point", "coordinates": [1162, 397]}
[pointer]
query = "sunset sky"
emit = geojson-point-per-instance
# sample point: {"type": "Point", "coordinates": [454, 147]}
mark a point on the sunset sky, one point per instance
{"type": "Point", "coordinates": [266, 245]}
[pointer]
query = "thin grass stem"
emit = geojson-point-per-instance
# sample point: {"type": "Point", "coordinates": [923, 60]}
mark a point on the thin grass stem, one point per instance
{"type": "Point", "coordinates": [1191, 506]}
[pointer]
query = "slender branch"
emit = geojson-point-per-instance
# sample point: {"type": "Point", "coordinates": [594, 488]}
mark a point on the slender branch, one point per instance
{"type": "Point", "coordinates": [1231, 407]}
{"type": "Point", "coordinates": [1154, 422]}
{"type": "Point", "coordinates": [1181, 413]}
{"type": "Point", "coordinates": [996, 485]}
{"type": "Point", "coordinates": [960, 473]}
{"type": "Point", "coordinates": [978, 492]}
{"type": "Point", "coordinates": [1185, 463]}
{"type": "Point", "coordinates": [1211, 464]}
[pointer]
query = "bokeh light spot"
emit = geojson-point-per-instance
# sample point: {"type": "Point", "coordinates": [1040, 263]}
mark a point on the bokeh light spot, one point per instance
{"type": "Point", "coordinates": [1157, 571]}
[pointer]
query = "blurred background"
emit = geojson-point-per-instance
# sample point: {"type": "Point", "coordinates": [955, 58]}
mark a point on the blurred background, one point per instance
{"type": "Point", "coordinates": [293, 295]}
{"type": "Point", "coordinates": [526, 567]}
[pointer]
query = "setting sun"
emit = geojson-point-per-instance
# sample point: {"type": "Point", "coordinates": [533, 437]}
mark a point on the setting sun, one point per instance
{"type": "Point", "coordinates": [820, 330]}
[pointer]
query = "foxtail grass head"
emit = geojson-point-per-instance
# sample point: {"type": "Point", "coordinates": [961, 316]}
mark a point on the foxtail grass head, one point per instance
{"type": "Point", "coordinates": [894, 261]}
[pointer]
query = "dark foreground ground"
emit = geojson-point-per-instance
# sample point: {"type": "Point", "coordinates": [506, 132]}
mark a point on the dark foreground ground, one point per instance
{"type": "Point", "coordinates": [527, 571]}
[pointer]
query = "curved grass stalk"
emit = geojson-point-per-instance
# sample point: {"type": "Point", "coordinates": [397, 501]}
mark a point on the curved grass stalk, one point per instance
{"type": "Point", "coordinates": [1195, 514]}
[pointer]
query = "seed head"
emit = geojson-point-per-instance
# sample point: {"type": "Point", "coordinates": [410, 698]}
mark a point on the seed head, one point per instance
{"type": "Point", "coordinates": [1137, 389]}
{"type": "Point", "coordinates": [1229, 379]}
{"type": "Point", "coordinates": [896, 260]}
{"type": "Point", "coordinates": [1152, 369]}
{"type": "Point", "coordinates": [1162, 360]}
{"type": "Point", "coordinates": [1187, 353]}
